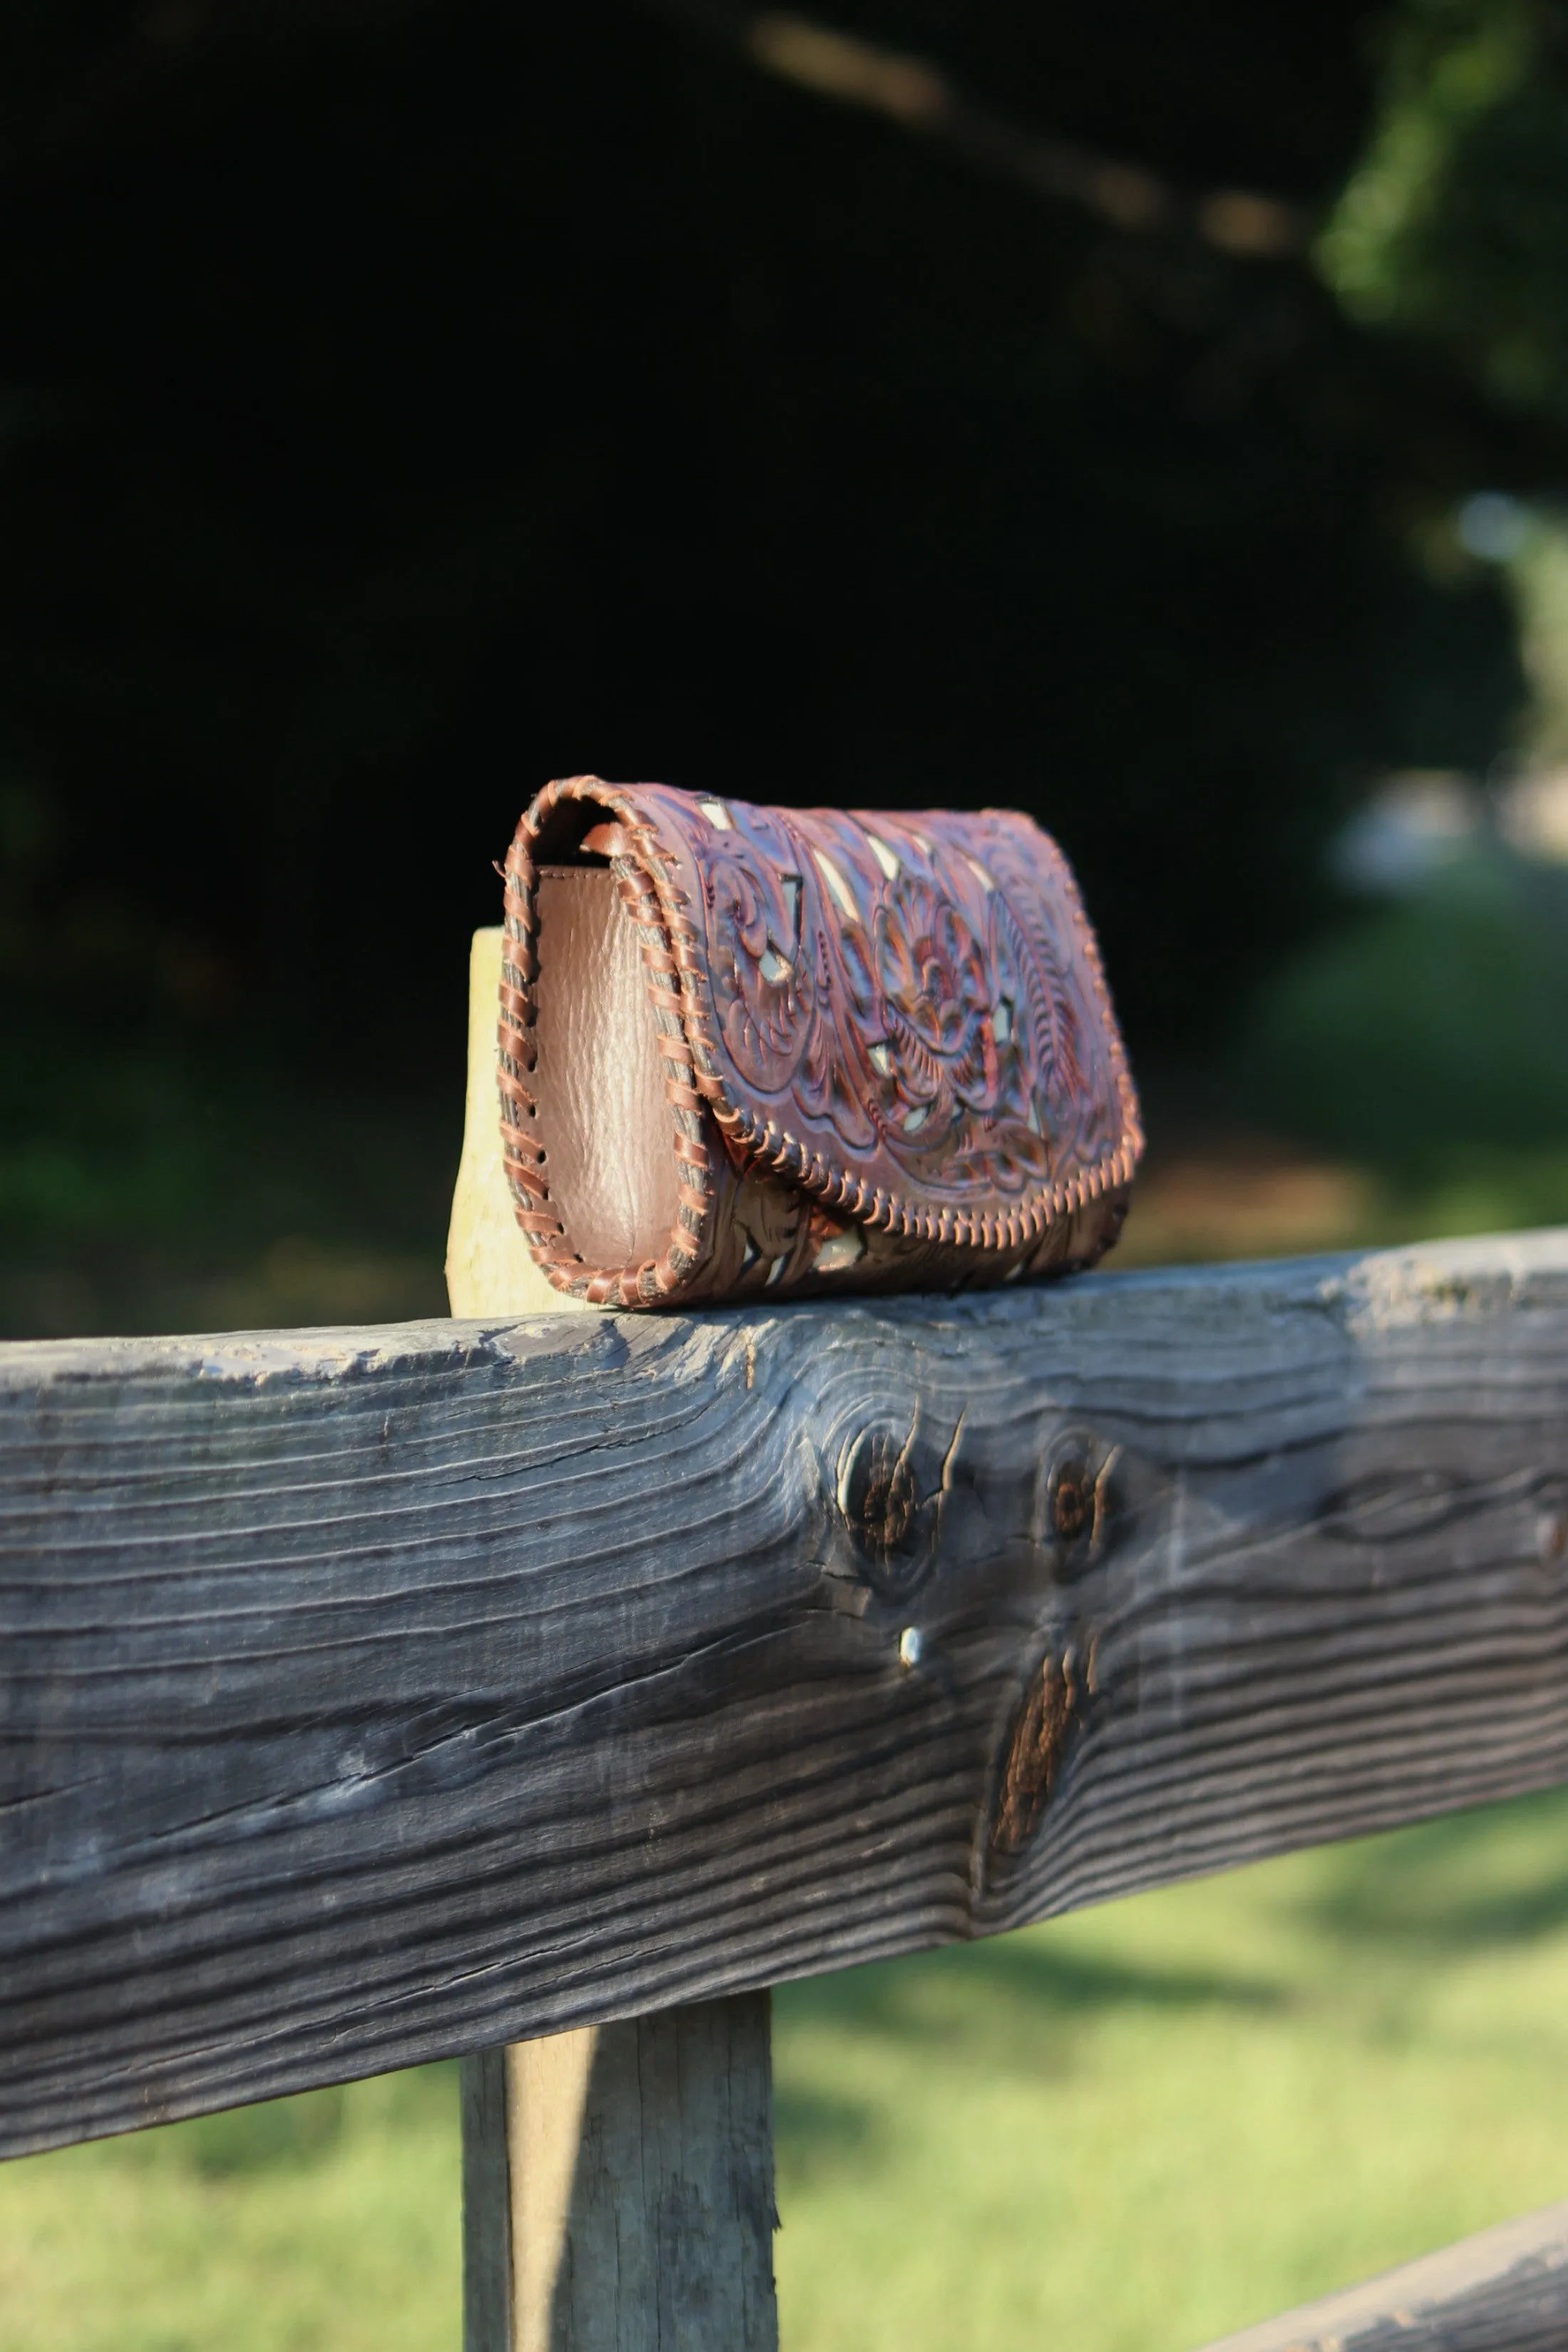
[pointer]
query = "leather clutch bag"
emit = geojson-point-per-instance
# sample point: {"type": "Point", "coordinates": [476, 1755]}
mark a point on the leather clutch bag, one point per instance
{"type": "Point", "coordinates": [749, 1051]}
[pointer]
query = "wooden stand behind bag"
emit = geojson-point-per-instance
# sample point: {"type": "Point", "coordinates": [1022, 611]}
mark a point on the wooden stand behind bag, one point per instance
{"type": "Point", "coordinates": [618, 2180]}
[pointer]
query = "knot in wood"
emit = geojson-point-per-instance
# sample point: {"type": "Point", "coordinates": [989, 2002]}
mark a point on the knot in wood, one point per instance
{"type": "Point", "coordinates": [877, 1495]}
{"type": "Point", "coordinates": [1054, 1705]}
{"type": "Point", "coordinates": [1080, 1499]}
{"type": "Point", "coordinates": [888, 1498]}
{"type": "Point", "coordinates": [1072, 1500]}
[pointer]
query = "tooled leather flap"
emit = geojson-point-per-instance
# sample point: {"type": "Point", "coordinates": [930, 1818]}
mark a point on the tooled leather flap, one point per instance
{"type": "Point", "coordinates": [906, 1015]}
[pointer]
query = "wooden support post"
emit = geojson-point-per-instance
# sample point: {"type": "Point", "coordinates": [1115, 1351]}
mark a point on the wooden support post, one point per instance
{"type": "Point", "coordinates": [618, 2191]}
{"type": "Point", "coordinates": [489, 1269]}
{"type": "Point", "coordinates": [618, 2179]}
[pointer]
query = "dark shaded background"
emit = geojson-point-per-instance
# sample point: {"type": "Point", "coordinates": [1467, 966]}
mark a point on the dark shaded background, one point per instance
{"type": "Point", "coordinates": [404, 404]}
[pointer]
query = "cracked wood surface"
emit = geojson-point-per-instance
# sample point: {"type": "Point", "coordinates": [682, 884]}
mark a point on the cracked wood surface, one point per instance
{"type": "Point", "coordinates": [370, 1696]}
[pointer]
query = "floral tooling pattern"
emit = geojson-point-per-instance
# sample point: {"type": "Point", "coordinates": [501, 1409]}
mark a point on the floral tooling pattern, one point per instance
{"type": "Point", "coordinates": [915, 1001]}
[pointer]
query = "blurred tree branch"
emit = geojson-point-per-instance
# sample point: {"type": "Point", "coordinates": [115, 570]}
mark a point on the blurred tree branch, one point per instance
{"type": "Point", "coordinates": [916, 94]}
{"type": "Point", "coordinates": [114, 77]}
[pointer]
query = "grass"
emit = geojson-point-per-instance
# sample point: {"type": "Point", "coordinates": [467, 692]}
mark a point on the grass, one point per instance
{"type": "Point", "coordinates": [1135, 2129]}
{"type": "Point", "coordinates": [328, 2220]}
{"type": "Point", "coordinates": [1124, 2132]}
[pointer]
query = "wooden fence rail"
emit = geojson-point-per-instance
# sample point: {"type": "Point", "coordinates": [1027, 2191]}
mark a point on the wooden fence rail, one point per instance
{"type": "Point", "coordinates": [1505, 2290]}
{"type": "Point", "coordinates": [370, 1696]}
{"type": "Point", "coordinates": [375, 1696]}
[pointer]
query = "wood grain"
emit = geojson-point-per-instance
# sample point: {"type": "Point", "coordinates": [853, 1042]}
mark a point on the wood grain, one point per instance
{"type": "Point", "coordinates": [487, 2204]}
{"type": "Point", "coordinates": [635, 2164]}
{"type": "Point", "coordinates": [490, 1269]}
{"type": "Point", "coordinates": [374, 1695]}
{"type": "Point", "coordinates": [1505, 2290]}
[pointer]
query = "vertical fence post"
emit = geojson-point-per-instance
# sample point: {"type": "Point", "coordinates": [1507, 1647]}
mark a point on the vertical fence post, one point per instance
{"type": "Point", "coordinates": [617, 2187]}
{"type": "Point", "coordinates": [617, 2181]}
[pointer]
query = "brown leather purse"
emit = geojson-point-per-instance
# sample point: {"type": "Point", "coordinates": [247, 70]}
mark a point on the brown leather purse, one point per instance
{"type": "Point", "coordinates": [757, 1050]}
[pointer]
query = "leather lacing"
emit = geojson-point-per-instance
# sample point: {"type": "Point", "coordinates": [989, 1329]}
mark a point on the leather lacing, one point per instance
{"type": "Point", "coordinates": [523, 1153]}
{"type": "Point", "coordinates": [674, 960]}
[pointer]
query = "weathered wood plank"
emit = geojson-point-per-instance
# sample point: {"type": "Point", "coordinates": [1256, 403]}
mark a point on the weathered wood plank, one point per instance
{"type": "Point", "coordinates": [621, 2185]}
{"type": "Point", "coordinates": [1505, 2290]}
{"type": "Point", "coordinates": [369, 1697]}
{"type": "Point", "coordinates": [487, 2203]}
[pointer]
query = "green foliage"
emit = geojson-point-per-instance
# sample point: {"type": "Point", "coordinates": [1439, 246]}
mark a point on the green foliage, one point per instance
{"type": "Point", "coordinates": [1538, 575]}
{"type": "Point", "coordinates": [1456, 222]}
{"type": "Point", "coordinates": [1430, 1034]}
{"type": "Point", "coordinates": [162, 1180]}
